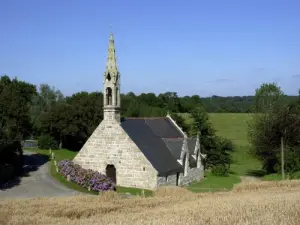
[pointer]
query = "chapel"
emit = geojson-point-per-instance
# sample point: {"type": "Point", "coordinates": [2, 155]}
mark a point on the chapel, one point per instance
{"type": "Point", "coordinates": [138, 152]}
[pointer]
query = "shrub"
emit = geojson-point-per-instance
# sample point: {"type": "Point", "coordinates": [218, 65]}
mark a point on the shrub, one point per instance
{"type": "Point", "coordinates": [291, 161]}
{"type": "Point", "coordinates": [225, 144]}
{"type": "Point", "coordinates": [220, 170]}
{"type": "Point", "coordinates": [46, 142]}
{"type": "Point", "coordinates": [85, 177]}
{"type": "Point", "coordinates": [295, 175]}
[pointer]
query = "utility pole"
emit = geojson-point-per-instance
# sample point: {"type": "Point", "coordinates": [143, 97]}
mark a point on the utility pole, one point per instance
{"type": "Point", "coordinates": [282, 159]}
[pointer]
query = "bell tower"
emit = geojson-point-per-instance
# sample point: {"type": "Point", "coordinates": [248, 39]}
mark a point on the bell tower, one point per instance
{"type": "Point", "coordinates": [111, 91]}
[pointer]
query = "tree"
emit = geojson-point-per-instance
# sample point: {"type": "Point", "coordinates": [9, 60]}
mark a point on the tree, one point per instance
{"type": "Point", "coordinates": [274, 119]}
{"type": "Point", "coordinates": [267, 96]}
{"type": "Point", "coordinates": [15, 100]}
{"type": "Point", "coordinates": [71, 122]}
{"type": "Point", "coordinates": [218, 158]}
{"type": "Point", "coordinates": [41, 103]}
{"type": "Point", "coordinates": [180, 122]}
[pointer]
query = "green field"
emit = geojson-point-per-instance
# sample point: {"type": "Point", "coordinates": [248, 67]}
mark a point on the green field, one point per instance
{"type": "Point", "coordinates": [234, 127]}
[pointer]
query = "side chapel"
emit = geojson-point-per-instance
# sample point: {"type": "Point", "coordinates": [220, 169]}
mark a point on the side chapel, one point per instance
{"type": "Point", "coordinates": [139, 152]}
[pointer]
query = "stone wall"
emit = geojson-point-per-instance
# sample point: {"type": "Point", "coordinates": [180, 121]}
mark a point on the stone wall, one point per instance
{"type": "Point", "coordinates": [110, 144]}
{"type": "Point", "coordinates": [193, 174]}
{"type": "Point", "coordinates": [167, 180]}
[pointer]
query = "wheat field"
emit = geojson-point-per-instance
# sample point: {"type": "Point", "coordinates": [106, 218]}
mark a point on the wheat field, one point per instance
{"type": "Point", "coordinates": [261, 203]}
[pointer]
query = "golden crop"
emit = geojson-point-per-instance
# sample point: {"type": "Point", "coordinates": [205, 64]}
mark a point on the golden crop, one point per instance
{"type": "Point", "coordinates": [261, 203]}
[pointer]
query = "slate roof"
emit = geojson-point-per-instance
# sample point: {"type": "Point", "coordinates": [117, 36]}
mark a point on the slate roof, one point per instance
{"type": "Point", "coordinates": [174, 145]}
{"type": "Point", "coordinates": [149, 134]}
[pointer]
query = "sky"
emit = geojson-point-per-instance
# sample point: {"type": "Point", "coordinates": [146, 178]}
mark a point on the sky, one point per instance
{"type": "Point", "coordinates": [203, 47]}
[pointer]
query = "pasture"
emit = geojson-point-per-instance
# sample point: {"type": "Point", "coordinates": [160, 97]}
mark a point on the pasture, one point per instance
{"type": "Point", "coordinates": [234, 127]}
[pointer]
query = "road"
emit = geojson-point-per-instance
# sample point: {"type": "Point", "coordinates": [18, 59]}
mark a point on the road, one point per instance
{"type": "Point", "coordinates": [37, 182]}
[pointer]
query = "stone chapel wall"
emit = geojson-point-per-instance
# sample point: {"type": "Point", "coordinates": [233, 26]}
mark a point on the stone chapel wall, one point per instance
{"type": "Point", "coordinates": [110, 144]}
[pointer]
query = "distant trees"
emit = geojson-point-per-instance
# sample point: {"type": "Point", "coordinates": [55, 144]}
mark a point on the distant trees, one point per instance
{"type": "Point", "coordinates": [276, 118]}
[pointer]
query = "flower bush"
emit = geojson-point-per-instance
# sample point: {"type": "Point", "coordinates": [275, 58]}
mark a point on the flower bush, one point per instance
{"type": "Point", "coordinates": [85, 177]}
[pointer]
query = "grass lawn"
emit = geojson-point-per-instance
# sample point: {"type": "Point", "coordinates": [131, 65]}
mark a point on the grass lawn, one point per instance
{"type": "Point", "coordinates": [67, 154]}
{"type": "Point", "coordinates": [234, 127]}
{"type": "Point", "coordinates": [212, 183]}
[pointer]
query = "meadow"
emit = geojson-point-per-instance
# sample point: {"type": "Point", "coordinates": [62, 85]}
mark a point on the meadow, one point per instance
{"type": "Point", "coordinates": [264, 203]}
{"type": "Point", "coordinates": [234, 127]}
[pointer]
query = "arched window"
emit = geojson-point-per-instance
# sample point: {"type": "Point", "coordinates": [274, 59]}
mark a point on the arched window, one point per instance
{"type": "Point", "coordinates": [108, 77]}
{"type": "Point", "coordinates": [108, 96]}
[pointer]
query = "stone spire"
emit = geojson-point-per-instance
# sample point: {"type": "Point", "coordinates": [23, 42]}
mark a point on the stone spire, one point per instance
{"type": "Point", "coordinates": [111, 64]}
{"type": "Point", "coordinates": [111, 92]}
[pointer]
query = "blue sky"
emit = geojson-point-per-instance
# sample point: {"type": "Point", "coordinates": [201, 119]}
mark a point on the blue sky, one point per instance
{"type": "Point", "coordinates": [224, 47]}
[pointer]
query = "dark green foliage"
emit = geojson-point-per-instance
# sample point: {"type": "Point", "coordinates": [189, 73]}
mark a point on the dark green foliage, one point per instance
{"type": "Point", "coordinates": [295, 175]}
{"type": "Point", "coordinates": [218, 159]}
{"type": "Point", "coordinates": [46, 142]}
{"type": "Point", "coordinates": [292, 161]}
{"type": "Point", "coordinates": [180, 122]}
{"type": "Point", "coordinates": [220, 170]}
{"type": "Point", "coordinates": [15, 125]}
{"type": "Point", "coordinates": [280, 119]}
{"type": "Point", "coordinates": [225, 144]}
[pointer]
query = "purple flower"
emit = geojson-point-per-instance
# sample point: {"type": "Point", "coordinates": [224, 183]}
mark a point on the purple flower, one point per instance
{"type": "Point", "coordinates": [85, 177]}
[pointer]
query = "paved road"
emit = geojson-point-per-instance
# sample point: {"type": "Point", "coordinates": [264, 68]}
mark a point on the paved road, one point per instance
{"type": "Point", "coordinates": [38, 182]}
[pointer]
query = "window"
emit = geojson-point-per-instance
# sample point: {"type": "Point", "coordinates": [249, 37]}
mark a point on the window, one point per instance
{"type": "Point", "coordinates": [108, 77]}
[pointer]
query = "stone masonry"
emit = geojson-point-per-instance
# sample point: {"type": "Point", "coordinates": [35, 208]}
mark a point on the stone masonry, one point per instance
{"type": "Point", "coordinates": [110, 145]}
